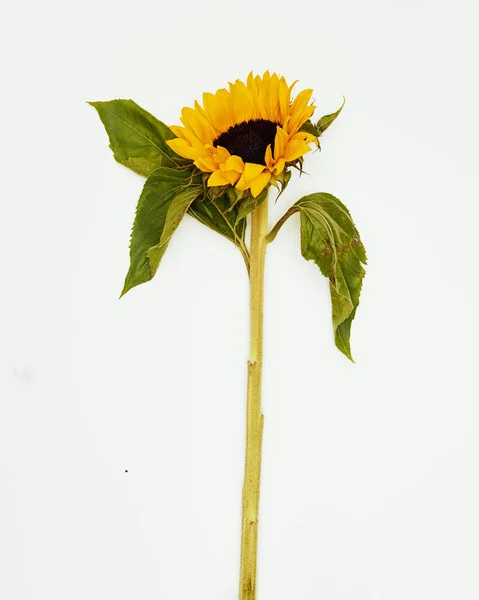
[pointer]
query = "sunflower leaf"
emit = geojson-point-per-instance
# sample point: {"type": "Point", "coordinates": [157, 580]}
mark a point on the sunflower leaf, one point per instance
{"type": "Point", "coordinates": [250, 203]}
{"type": "Point", "coordinates": [218, 215]}
{"type": "Point", "coordinates": [310, 127]}
{"type": "Point", "coordinates": [165, 199]}
{"type": "Point", "coordinates": [325, 121]}
{"type": "Point", "coordinates": [137, 138]}
{"type": "Point", "coordinates": [317, 129]}
{"type": "Point", "coordinates": [330, 238]}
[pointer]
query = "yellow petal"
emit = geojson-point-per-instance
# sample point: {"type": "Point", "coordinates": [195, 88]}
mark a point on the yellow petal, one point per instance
{"type": "Point", "coordinates": [183, 148]}
{"type": "Point", "coordinates": [301, 100]}
{"type": "Point", "coordinates": [292, 85]}
{"type": "Point", "coordinates": [259, 183]}
{"type": "Point", "coordinates": [272, 98]}
{"type": "Point", "coordinates": [295, 149]}
{"type": "Point", "coordinates": [309, 138]}
{"type": "Point", "coordinates": [221, 154]}
{"type": "Point", "coordinates": [253, 92]}
{"type": "Point", "coordinates": [252, 170]}
{"type": "Point", "coordinates": [178, 131]}
{"type": "Point", "coordinates": [279, 166]}
{"type": "Point", "coordinates": [284, 99]}
{"type": "Point", "coordinates": [206, 121]}
{"type": "Point", "coordinates": [217, 109]}
{"type": "Point", "coordinates": [232, 176]}
{"type": "Point", "coordinates": [217, 178]}
{"type": "Point", "coordinates": [198, 123]}
{"type": "Point", "coordinates": [241, 106]}
{"type": "Point", "coordinates": [280, 140]}
{"type": "Point", "coordinates": [206, 164]}
{"type": "Point", "coordinates": [299, 118]}
{"type": "Point", "coordinates": [268, 156]}
{"type": "Point", "coordinates": [235, 163]}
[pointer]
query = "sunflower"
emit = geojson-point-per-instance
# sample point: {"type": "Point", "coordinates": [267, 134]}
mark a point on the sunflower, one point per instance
{"type": "Point", "coordinates": [248, 135]}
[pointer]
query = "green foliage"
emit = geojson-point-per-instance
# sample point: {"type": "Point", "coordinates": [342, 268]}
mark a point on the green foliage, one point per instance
{"type": "Point", "coordinates": [138, 141]}
{"type": "Point", "coordinates": [324, 122]}
{"type": "Point", "coordinates": [166, 197]}
{"type": "Point", "coordinates": [309, 127]}
{"type": "Point", "coordinates": [137, 138]}
{"type": "Point", "coordinates": [330, 238]}
{"type": "Point", "coordinates": [221, 216]}
{"type": "Point", "coordinates": [250, 203]}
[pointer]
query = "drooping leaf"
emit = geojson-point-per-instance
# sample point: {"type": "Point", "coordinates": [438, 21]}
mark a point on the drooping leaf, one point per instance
{"type": "Point", "coordinates": [137, 138]}
{"type": "Point", "coordinates": [166, 197]}
{"type": "Point", "coordinates": [330, 238]}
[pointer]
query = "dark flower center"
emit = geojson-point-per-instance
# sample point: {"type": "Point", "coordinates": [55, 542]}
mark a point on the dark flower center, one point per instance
{"type": "Point", "coordinates": [249, 139]}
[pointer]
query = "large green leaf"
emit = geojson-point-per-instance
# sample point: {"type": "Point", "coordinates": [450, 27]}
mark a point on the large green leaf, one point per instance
{"type": "Point", "coordinates": [137, 138]}
{"type": "Point", "coordinates": [250, 203]}
{"type": "Point", "coordinates": [330, 238]}
{"type": "Point", "coordinates": [166, 197]}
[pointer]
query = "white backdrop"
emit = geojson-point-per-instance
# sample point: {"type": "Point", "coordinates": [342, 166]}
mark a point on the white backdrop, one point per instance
{"type": "Point", "coordinates": [122, 422]}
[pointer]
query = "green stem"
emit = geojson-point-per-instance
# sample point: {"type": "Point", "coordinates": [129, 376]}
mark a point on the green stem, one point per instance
{"type": "Point", "coordinates": [274, 232]}
{"type": "Point", "coordinates": [254, 417]}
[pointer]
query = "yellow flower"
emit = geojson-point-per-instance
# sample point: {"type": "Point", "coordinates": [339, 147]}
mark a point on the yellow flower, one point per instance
{"type": "Point", "coordinates": [245, 137]}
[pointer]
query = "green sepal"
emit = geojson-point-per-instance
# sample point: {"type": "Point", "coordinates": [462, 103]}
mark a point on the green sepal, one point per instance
{"type": "Point", "coordinates": [137, 138]}
{"type": "Point", "coordinates": [283, 180]}
{"type": "Point", "coordinates": [166, 197]}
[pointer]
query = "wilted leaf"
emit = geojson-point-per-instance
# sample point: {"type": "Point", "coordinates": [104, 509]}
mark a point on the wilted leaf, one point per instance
{"type": "Point", "coordinates": [330, 238]}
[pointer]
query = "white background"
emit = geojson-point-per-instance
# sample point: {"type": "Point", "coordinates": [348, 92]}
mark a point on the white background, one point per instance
{"type": "Point", "coordinates": [371, 479]}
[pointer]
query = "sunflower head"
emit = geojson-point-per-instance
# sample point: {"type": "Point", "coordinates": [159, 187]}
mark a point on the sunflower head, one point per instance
{"type": "Point", "coordinates": [248, 135]}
